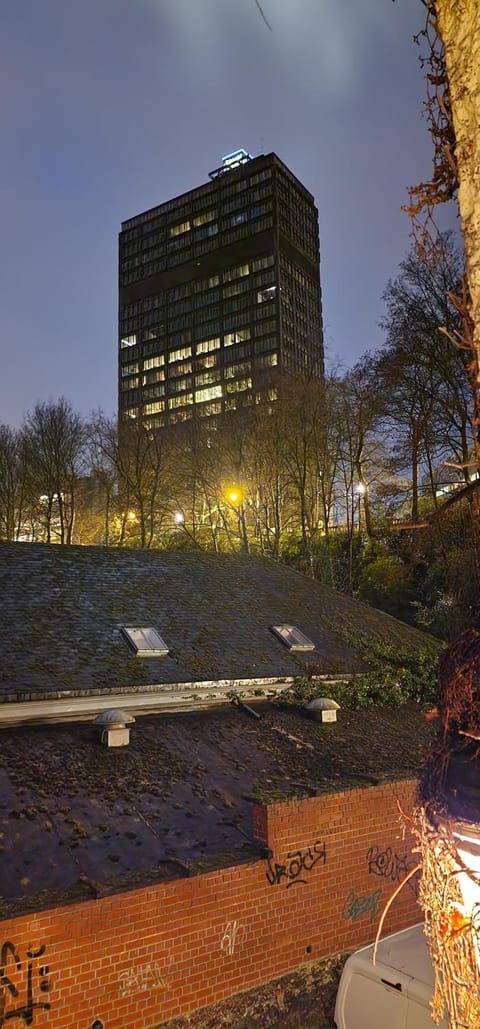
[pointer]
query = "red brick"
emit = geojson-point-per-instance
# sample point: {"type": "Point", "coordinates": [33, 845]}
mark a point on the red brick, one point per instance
{"type": "Point", "coordinates": [173, 939]}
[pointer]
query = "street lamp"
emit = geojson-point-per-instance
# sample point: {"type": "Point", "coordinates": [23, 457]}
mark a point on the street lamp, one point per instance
{"type": "Point", "coordinates": [360, 490]}
{"type": "Point", "coordinates": [235, 495]}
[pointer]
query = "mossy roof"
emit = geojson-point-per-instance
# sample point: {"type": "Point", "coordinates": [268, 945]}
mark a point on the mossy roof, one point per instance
{"type": "Point", "coordinates": [63, 608]}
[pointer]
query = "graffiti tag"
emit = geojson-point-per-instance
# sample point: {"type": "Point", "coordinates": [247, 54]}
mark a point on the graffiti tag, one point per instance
{"type": "Point", "coordinates": [387, 864]}
{"type": "Point", "coordinates": [299, 863]}
{"type": "Point", "coordinates": [144, 978]}
{"type": "Point", "coordinates": [355, 906]}
{"type": "Point", "coordinates": [17, 979]}
{"type": "Point", "coordinates": [232, 933]}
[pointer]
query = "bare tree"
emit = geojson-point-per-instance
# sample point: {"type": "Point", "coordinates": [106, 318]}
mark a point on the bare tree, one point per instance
{"type": "Point", "coordinates": [450, 44]}
{"type": "Point", "coordinates": [53, 442]}
{"type": "Point", "coordinates": [359, 407]}
{"type": "Point", "coordinates": [196, 489]}
{"type": "Point", "coordinates": [144, 474]}
{"type": "Point", "coordinates": [11, 483]}
{"type": "Point", "coordinates": [103, 469]}
{"type": "Point", "coordinates": [422, 377]}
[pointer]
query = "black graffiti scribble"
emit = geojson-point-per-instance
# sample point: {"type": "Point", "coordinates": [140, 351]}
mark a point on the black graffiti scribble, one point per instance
{"type": "Point", "coordinates": [298, 862]}
{"type": "Point", "coordinates": [11, 965]}
{"type": "Point", "coordinates": [387, 864]}
{"type": "Point", "coordinates": [9, 948]}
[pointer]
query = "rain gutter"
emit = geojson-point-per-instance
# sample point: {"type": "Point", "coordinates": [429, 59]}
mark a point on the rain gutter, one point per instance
{"type": "Point", "coordinates": [82, 705]}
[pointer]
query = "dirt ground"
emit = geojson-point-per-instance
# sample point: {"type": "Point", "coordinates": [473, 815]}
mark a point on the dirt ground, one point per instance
{"type": "Point", "coordinates": [304, 999]}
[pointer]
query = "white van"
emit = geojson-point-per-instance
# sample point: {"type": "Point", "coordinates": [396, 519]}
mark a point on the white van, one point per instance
{"type": "Point", "coordinates": [395, 993]}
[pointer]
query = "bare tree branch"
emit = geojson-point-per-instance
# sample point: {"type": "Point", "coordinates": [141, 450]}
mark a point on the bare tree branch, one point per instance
{"type": "Point", "coordinates": [262, 15]}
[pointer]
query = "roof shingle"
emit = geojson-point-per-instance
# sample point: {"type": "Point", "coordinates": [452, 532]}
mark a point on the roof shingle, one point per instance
{"type": "Point", "coordinates": [63, 608]}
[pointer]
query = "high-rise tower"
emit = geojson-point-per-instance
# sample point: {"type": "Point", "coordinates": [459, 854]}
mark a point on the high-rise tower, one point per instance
{"type": "Point", "coordinates": [219, 295]}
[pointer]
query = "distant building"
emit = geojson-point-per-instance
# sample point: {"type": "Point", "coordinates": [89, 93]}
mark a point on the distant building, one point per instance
{"type": "Point", "coordinates": [219, 294]}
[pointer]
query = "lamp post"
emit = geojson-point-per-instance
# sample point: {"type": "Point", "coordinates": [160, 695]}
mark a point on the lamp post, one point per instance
{"type": "Point", "coordinates": [360, 491]}
{"type": "Point", "coordinates": [235, 495]}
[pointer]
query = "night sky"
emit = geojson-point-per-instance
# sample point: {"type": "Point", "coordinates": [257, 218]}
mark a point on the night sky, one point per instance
{"type": "Point", "coordinates": [110, 107]}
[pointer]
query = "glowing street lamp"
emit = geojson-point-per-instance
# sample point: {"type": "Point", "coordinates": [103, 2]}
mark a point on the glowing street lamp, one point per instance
{"type": "Point", "coordinates": [359, 490]}
{"type": "Point", "coordinates": [234, 495]}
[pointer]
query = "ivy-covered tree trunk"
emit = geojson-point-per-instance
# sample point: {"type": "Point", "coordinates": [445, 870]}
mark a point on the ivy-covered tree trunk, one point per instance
{"type": "Point", "coordinates": [458, 23]}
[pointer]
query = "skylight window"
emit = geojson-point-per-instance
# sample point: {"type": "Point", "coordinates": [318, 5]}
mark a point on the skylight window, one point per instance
{"type": "Point", "coordinates": [292, 637]}
{"type": "Point", "coordinates": [145, 642]}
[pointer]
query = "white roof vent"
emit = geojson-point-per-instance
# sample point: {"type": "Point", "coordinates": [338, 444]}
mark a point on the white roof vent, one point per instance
{"type": "Point", "coordinates": [322, 709]}
{"type": "Point", "coordinates": [292, 637]}
{"type": "Point", "coordinates": [113, 723]}
{"type": "Point", "coordinates": [145, 642]}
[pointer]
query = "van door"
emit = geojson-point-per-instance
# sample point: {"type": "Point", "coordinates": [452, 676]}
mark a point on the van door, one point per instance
{"type": "Point", "coordinates": [374, 1002]}
{"type": "Point", "coordinates": [419, 1014]}
{"type": "Point", "coordinates": [419, 1017]}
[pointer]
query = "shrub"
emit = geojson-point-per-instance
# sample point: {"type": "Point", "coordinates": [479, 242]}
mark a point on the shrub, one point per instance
{"type": "Point", "coordinates": [412, 678]}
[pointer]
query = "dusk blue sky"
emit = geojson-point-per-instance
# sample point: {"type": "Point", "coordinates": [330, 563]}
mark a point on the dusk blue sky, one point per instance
{"type": "Point", "coordinates": [110, 107]}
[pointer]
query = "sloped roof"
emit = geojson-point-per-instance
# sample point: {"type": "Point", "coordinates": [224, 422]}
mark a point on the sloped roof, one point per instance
{"type": "Point", "coordinates": [63, 608]}
{"type": "Point", "coordinates": [78, 819]}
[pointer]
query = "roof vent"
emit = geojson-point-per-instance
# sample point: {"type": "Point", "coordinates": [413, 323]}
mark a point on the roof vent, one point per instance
{"type": "Point", "coordinates": [292, 637]}
{"type": "Point", "coordinates": [322, 709]}
{"type": "Point", "coordinates": [113, 723]}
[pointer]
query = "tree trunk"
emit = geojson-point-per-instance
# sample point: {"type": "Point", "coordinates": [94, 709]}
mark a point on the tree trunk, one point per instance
{"type": "Point", "coordinates": [458, 23]}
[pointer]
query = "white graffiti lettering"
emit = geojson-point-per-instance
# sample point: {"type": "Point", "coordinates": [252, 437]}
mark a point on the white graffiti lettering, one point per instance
{"type": "Point", "coordinates": [147, 977]}
{"type": "Point", "coordinates": [231, 935]}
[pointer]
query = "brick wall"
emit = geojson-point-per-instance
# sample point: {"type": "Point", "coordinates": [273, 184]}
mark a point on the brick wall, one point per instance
{"type": "Point", "coordinates": [136, 959]}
